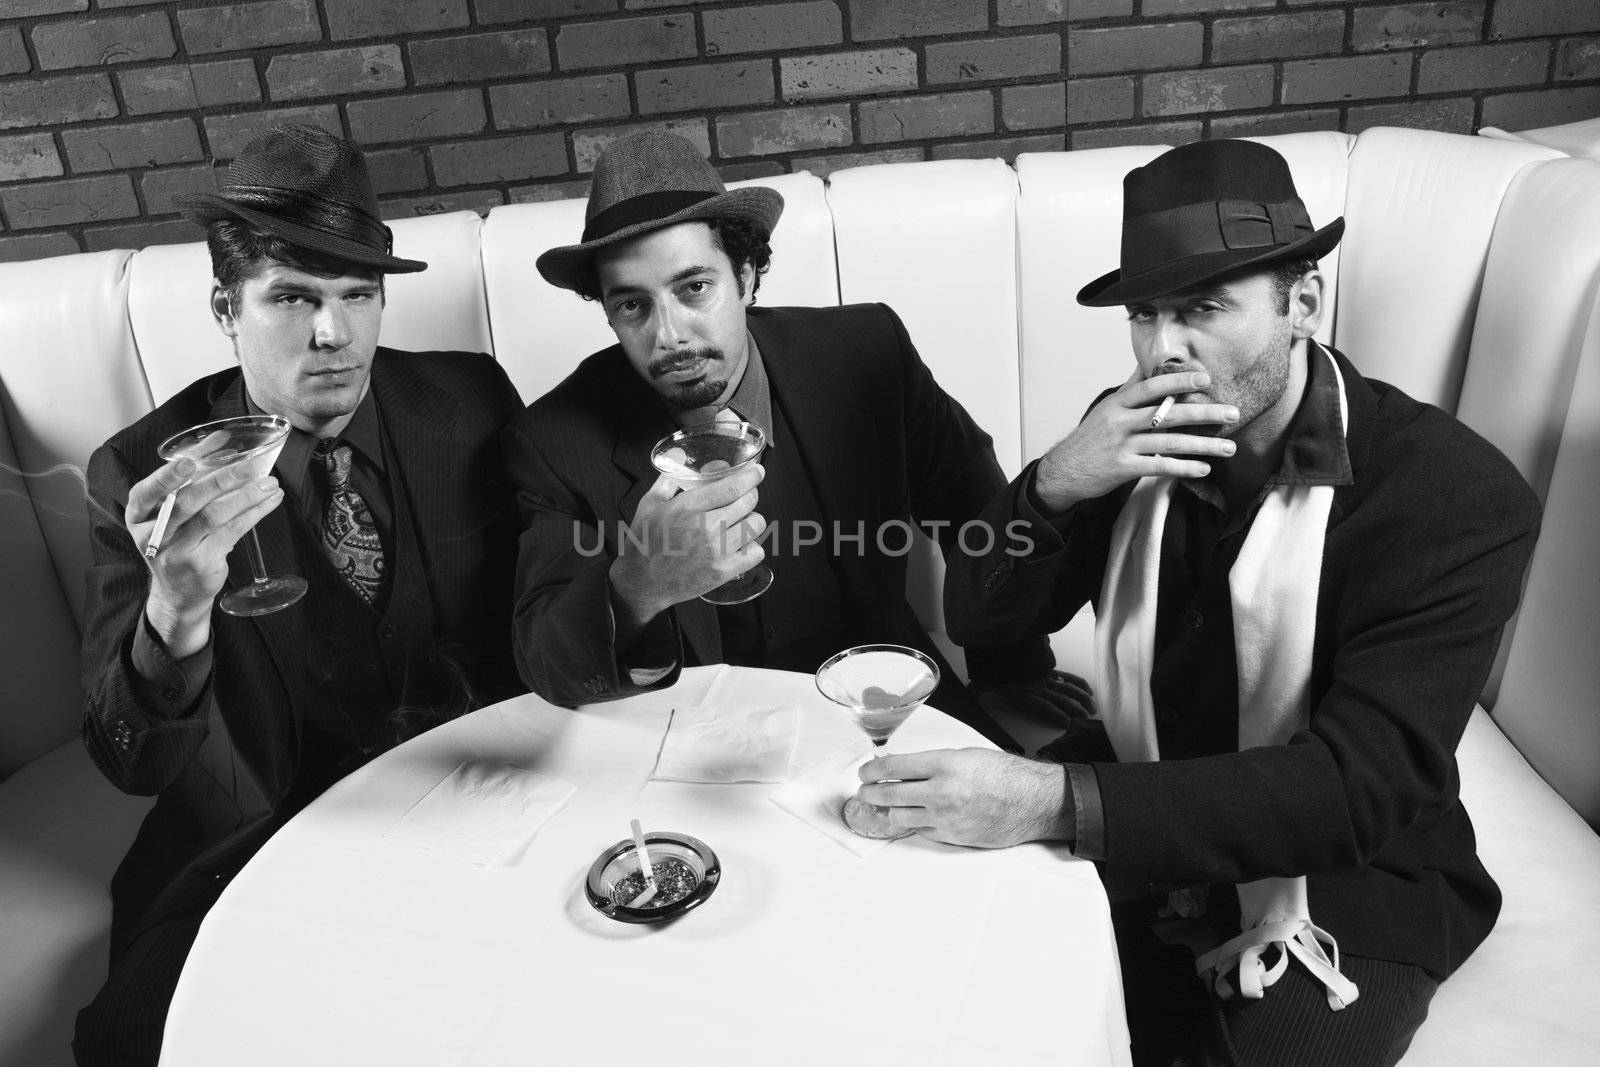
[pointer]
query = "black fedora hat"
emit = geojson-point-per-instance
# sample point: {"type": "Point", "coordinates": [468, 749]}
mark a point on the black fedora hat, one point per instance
{"type": "Point", "coordinates": [647, 182]}
{"type": "Point", "coordinates": [303, 184]}
{"type": "Point", "coordinates": [1205, 210]}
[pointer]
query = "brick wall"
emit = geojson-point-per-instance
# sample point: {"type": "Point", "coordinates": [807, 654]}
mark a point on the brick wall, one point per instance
{"type": "Point", "coordinates": [109, 109]}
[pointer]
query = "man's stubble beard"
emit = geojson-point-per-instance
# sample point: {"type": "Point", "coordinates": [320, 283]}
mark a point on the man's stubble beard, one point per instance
{"type": "Point", "coordinates": [1262, 384]}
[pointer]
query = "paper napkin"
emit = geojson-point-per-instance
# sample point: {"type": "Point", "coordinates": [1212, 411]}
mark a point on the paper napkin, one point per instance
{"type": "Point", "coordinates": [482, 813]}
{"type": "Point", "coordinates": [815, 795]}
{"type": "Point", "coordinates": [726, 744]}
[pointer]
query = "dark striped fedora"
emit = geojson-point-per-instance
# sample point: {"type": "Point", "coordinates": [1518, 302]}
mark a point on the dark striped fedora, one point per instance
{"type": "Point", "coordinates": [310, 188]}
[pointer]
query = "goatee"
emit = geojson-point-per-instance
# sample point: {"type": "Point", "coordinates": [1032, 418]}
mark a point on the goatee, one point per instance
{"type": "Point", "coordinates": [699, 393]}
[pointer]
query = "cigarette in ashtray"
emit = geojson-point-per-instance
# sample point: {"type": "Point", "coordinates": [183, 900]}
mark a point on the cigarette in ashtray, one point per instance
{"type": "Point", "coordinates": [1161, 413]}
{"type": "Point", "coordinates": [646, 868]}
{"type": "Point", "coordinates": [164, 516]}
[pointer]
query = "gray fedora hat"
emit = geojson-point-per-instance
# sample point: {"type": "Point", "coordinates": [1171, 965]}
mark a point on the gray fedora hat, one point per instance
{"type": "Point", "coordinates": [647, 182]}
{"type": "Point", "coordinates": [303, 184]}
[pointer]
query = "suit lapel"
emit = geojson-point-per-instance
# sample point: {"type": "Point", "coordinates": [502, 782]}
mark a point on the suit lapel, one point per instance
{"type": "Point", "coordinates": [639, 420]}
{"type": "Point", "coordinates": [835, 438]}
{"type": "Point", "coordinates": [419, 428]}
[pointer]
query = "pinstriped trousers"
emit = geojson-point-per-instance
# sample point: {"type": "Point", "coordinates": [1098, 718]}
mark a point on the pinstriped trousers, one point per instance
{"type": "Point", "coordinates": [1176, 1020]}
{"type": "Point", "coordinates": [122, 1026]}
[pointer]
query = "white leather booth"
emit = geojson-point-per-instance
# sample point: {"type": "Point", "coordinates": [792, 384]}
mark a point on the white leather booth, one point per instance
{"type": "Point", "coordinates": [1468, 276]}
{"type": "Point", "coordinates": [1581, 138]}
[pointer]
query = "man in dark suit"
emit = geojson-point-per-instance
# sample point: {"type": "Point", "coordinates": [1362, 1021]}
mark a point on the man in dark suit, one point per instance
{"type": "Point", "coordinates": [860, 439]}
{"type": "Point", "coordinates": [1299, 578]}
{"type": "Point", "coordinates": [387, 496]}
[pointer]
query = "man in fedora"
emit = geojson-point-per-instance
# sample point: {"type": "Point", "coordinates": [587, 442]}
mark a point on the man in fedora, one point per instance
{"type": "Point", "coordinates": [859, 438]}
{"type": "Point", "coordinates": [387, 497]}
{"type": "Point", "coordinates": [1299, 578]}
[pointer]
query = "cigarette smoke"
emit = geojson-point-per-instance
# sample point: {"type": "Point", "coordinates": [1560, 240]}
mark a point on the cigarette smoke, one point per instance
{"type": "Point", "coordinates": [78, 474]}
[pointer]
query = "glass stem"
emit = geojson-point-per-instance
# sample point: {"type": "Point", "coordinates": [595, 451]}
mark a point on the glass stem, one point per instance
{"type": "Point", "coordinates": [258, 569]}
{"type": "Point", "coordinates": [878, 749]}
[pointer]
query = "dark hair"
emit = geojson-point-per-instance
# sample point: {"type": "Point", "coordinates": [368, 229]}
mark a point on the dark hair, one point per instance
{"type": "Point", "coordinates": [742, 241]}
{"type": "Point", "coordinates": [745, 244]}
{"type": "Point", "coordinates": [1284, 275]}
{"type": "Point", "coordinates": [240, 250]}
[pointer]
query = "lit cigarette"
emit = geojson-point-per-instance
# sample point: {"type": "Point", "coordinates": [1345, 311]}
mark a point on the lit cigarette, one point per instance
{"type": "Point", "coordinates": [163, 517]}
{"type": "Point", "coordinates": [1161, 413]}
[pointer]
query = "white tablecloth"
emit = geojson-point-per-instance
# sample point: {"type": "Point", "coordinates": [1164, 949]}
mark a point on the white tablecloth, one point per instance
{"type": "Point", "coordinates": [336, 946]}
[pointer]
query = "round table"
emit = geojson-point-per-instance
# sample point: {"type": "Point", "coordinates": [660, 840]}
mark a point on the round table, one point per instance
{"type": "Point", "coordinates": [337, 946]}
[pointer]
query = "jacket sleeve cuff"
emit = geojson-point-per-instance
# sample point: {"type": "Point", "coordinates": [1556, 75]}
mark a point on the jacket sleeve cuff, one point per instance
{"type": "Point", "coordinates": [168, 688]}
{"type": "Point", "coordinates": [1088, 816]}
{"type": "Point", "coordinates": [653, 656]}
{"type": "Point", "coordinates": [1047, 530]}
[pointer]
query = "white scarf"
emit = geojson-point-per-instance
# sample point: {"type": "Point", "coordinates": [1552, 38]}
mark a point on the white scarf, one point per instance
{"type": "Point", "coordinates": [1273, 588]}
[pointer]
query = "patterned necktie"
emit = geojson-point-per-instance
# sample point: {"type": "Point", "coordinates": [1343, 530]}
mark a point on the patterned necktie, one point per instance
{"type": "Point", "coordinates": [349, 536]}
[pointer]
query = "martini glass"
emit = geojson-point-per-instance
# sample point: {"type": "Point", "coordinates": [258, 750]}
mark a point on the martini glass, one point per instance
{"type": "Point", "coordinates": [706, 453]}
{"type": "Point", "coordinates": [246, 439]}
{"type": "Point", "coordinates": [880, 686]}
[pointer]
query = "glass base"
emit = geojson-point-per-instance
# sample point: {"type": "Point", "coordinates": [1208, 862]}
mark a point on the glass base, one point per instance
{"type": "Point", "coordinates": [749, 585]}
{"type": "Point", "coordinates": [869, 820]}
{"type": "Point", "coordinates": [264, 597]}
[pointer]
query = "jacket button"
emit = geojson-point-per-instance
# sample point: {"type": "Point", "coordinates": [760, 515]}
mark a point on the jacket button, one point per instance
{"type": "Point", "coordinates": [169, 693]}
{"type": "Point", "coordinates": [388, 630]}
{"type": "Point", "coordinates": [1147, 889]}
{"type": "Point", "coordinates": [1193, 619]}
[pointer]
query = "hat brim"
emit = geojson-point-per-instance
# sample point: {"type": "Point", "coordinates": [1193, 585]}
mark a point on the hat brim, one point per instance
{"type": "Point", "coordinates": [207, 208]}
{"type": "Point", "coordinates": [567, 266]}
{"type": "Point", "coordinates": [1111, 290]}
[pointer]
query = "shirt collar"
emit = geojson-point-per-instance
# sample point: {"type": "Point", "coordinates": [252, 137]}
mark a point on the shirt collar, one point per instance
{"type": "Point", "coordinates": [752, 397]}
{"type": "Point", "coordinates": [362, 433]}
{"type": "Point", "coordinates": [1316, 452]}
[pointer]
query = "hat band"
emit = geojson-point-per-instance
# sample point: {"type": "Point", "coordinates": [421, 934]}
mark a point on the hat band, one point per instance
{"type": "Point", "coordinates": [332, 217]}
{"type": "Point", "coordinates": [646, 207]}
{"type": "Point", "coordinates": [1160, 237]}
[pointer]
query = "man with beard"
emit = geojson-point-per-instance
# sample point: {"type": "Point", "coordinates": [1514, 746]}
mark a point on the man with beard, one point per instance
{"type": "Point", "coordinates": [1299, 578]}
{"type": "Point", "coordinates": [614, 556]}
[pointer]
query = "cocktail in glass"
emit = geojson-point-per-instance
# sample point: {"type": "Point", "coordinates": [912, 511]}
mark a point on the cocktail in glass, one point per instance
{"type": "Point", "coordinates": [880, 686]}
{"type": "Point", "coordinates": [706, 453]}
{"type": "Point", "coordinates": [246, 439]}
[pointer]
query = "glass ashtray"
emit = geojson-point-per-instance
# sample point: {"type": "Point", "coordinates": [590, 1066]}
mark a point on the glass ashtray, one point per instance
{"type": "Point", "coordinates": [687, 872]}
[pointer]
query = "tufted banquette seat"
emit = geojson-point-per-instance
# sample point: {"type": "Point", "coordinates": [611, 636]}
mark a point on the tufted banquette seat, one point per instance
{"type": "Point", "coordinates": [1468, 276]}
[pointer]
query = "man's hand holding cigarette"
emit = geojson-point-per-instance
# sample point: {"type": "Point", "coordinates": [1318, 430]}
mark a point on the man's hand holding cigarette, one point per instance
{"type": "Point", "coordinates": [207, 518]}
{"type": "Point", "coordinates": [1133, 433]}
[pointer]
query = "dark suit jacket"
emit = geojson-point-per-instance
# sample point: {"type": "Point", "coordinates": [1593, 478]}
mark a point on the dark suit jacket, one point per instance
{"type": "Point", "coordinates": [879, 438]}
{"type": "Point", "coordinates": [1422, 567]}
{"type": "Point", "coordinates": [222, 769]}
